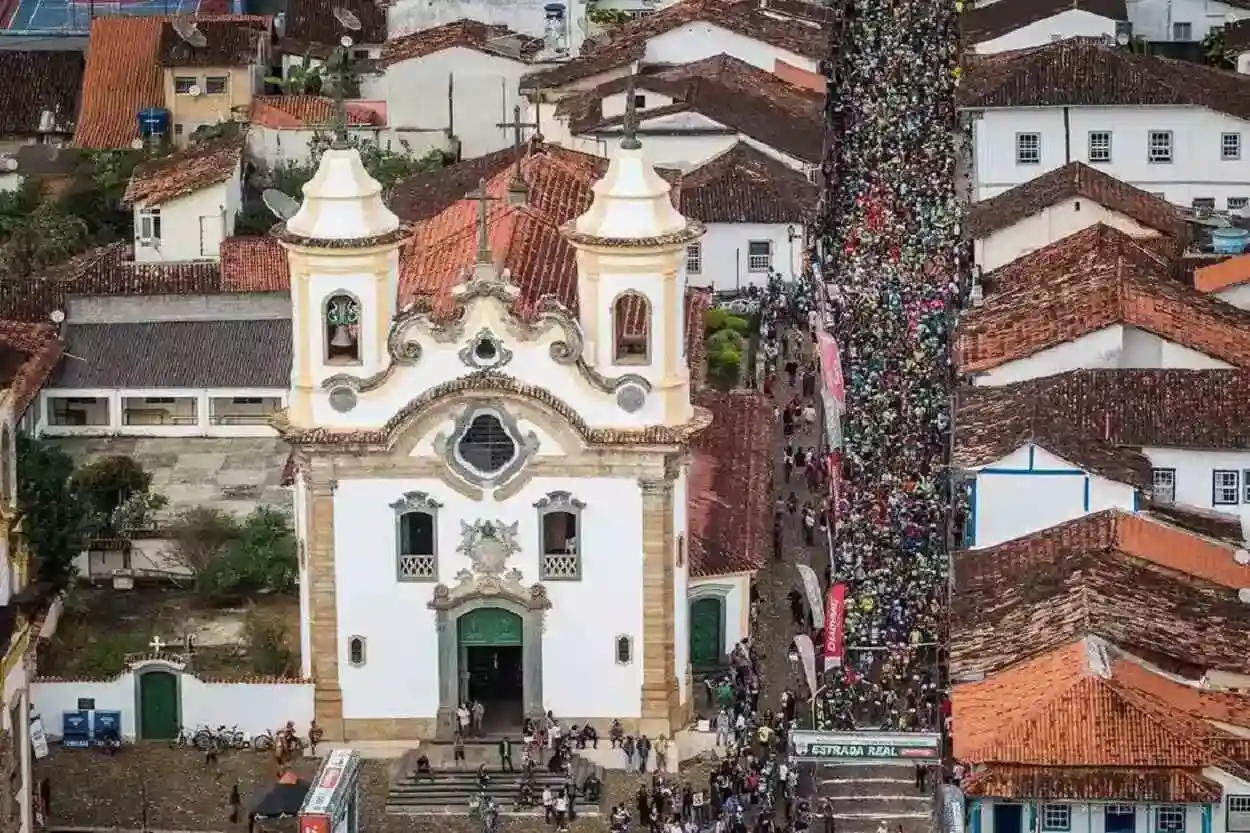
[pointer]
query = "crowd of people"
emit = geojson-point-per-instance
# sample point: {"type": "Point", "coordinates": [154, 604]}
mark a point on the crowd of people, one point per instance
{"type": "Point", "coordinates": [889, 264]}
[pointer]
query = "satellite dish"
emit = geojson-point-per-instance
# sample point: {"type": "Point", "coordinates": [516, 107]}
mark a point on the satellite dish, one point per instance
{"type": "Point", "coordinates": [1242, 557]}
{"type": "Point", "coordinates": [8, 163]}
{"type": "Point", "coordinates": [1121, 38]}
{"type": "Point", "coordinates": [194, 91]}
{"type": "Point", "coordinates": [283, 206]}
{"type": "Point", "coordinates": [57, 316]}
{"type": "Point", "coordinates": [1243, 595]}
{"type": "Point", "coordinates": [346, 41]}
{"type": "Point", "coordinates": [346, 19]}
{"type": "Point", "coordinates": [189, 32]}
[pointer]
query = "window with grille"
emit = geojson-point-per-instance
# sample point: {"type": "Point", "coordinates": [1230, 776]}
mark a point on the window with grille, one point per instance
{"type": "Point", "coordinates": [1238, 814]}
{"type": "Point", "coordinates": [1230, 146]}
{"type": "Point", "coordinates": [1170, 819]}
{"type": "Point", "coordinates": [356, 650]}
{"type": "Point", "coordinates": [624, 650]}
{"type": "Point", "coordinates": [694, 259]}
{"type": "Point", "coordinates": [1100, 146]}
{"type": "Point", "coordinates": [418, 560]}
{"type": "Point", "coordinates": [1207, 203]}
{"type": "Point", "coordinates": [1236, 203]}
{"type": "Point", "coordinates": [149, 226]}
{"type": "Point", "coordinates": [1119, 818]}
{"type": "Point", "coordinates": [184, 83]}
{"type": "Point", "coordinates": [1182, 31]}
{"type": "Point", "coordinates": [1028, 148]}
{"type": "Point", "coordinates": [216, 84]}
{"type": "Point", "coordinates": [759, 256]}
{"type": "Point", "coordinates": [1224, 487]}
{"type": "Point", "coordinates": [1159, 146]}
{"type": "Point", "coordinates": [1057, 817]}
{"type": "Point", "coordinates": [1163, 485]}
{"type": "Point", "coordinates": [486, 446]}
{"type": "Point", "coordinates": [559, 524]}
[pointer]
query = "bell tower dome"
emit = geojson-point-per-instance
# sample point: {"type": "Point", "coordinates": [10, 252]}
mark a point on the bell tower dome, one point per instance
{"type": "Point", "coordinates": [631, 258]}
{"type": "Point", "coordinates": [343, 249]}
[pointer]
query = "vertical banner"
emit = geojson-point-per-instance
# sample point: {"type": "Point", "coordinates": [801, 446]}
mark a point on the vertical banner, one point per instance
{"type": "Point", "coordinates": [835, 626]}
{"type": "Point", "coordinates": [831, 368]}
{"type": "Point", "coordinates": [807, 655]}
{"type": "Point", "coordinates": [811, 588]}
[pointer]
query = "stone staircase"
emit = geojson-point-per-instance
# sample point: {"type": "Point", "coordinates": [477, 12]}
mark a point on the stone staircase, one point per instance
{"type": "Point", "coordinates": [447, 790]}
{"type": "Point", "coordinates": [862, 797]}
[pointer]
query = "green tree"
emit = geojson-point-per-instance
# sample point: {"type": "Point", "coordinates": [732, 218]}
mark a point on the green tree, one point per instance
{"type": "Point", "coordinates": [233, 558]}
{"type": "Point", "coordinates": [48, 236]}
{"type": "Point", "coordinates": [304, 78]}
{"type": "Point", "coordinates": [53, 517]}
{"type": "Point", "coordinates": [385, 164]}
{"type": "Point", "coordinates": [117, 494]}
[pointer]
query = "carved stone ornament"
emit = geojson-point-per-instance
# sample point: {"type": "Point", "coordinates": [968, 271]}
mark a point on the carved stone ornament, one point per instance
{"type": "Point", "coordinates": [343, 397]}
{"type": "Point", "coordinates": [488, 545]}
{"type": "Point", "coordinates": [404, 352]}
{"type": "Point", "coordinates": [630, 398]}
{"type": "Point", "coordinates": [485, 351]}
{"type": "Point", "coordinates": [526, 445]}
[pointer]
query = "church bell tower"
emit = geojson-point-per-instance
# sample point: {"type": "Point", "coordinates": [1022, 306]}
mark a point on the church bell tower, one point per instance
{"type": "Point", "coordinates": [343, 249]}
{"type": "Point", "coordinates": [631, 257]}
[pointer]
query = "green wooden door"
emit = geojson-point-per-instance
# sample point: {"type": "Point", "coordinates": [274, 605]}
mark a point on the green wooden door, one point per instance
{"type": "Point", "coordinates": [706, 639]}
{"type": "Point", "coordinates": [491, 626]}
{"type": "Point", "coordinates": [158, 706]}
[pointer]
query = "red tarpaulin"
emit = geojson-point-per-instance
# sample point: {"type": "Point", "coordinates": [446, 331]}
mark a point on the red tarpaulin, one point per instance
{"type": "Point", "coordinates": [835, 626]}
{"type": "Point", "coordinates": [831, 368]}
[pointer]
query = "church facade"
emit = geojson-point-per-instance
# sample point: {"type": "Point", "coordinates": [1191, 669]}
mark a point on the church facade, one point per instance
{"type": "Point", "coordinates": [491, 498]}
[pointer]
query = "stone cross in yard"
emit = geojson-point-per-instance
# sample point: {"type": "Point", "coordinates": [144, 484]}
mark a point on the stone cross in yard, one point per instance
{"type": "Point", "coordinates": [157, 645]}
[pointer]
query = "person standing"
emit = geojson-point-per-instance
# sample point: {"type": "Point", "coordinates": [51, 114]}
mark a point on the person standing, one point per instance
{"type": "Point", "coordinates": [479, 714]}
{"type": "Point", "coordinates": [505, 754]}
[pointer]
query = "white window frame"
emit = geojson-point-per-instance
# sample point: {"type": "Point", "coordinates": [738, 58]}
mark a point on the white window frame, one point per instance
{"type": "Point", "coordinates": [694, 259]}
{"type": "Point", "coordinates": [1230, 147]}
{"type": "Point", "coordinates": [1205, 203]}
{"type": "Point", "coordinates": [1163, 485]}
{"type": "Point", "coordinates": [760, 263]}
{"type": "Point", "coordinates": [1239, 806]}
{"type": "Point", "coordinates": [1025, 155]}
{"type": "Point", "coordinates": [1225, 482]}
{"type": "Point", "coordinates": [1170, 811]}
{"type": "Point", "coordinates": [1188, 31]}
{"type": "Point", "coordinates": [1237, 203]}
{"type": "Point", "coordinates": [184, 83]}
{"type": "Point", "coordinates": [1100, 140]}
{"type": "Point", "coordinates": [147, 224]}
{"type": "Point", "coordinates": [1160, 149]}
{"type": "Point", "coordinates": [1056, 818]}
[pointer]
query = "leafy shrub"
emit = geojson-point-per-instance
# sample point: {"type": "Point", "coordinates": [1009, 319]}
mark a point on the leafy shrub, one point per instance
{"type": "Point", "coordinates": [267, 645]}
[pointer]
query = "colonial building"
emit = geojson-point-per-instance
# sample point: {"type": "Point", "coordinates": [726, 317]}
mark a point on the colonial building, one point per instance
{"type": "Point", "coordinates": [989, 28]}
{"type": "Point", "coordinates": [1172, 128]}
{"type": "Point", "coordinates": [492, 450]}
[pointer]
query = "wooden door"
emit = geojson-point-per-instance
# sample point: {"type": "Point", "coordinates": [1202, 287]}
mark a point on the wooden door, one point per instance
{"type": "Point", "coordinates": [707, 638]}
{"type": "Point", "coordinates": [158, 705]}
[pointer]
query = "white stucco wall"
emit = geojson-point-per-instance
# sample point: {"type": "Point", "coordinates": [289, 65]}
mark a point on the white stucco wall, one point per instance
{"type": "Point", "coordinates": [724, 250]}
{"type": "Point", "coordinates": [1032, 489]}
{"type": "Point", "coordinates": [1068, 24]}
{"type": "Point", "coordinates": [1196, 170]}
{"type": "Point", "coordinates": [1049, 225]}
{"type": "Point", "coordinates": [525, 16]}
{"type": "Point", "coordinates": [1195, 473]}
{"type": "Point", "coordinates": [698, 40]}
{"type": "Point", "coordinates": [1118, 346]}
{"type": "Point", "coordinates": [400, 676]}
{"type": "Point", "coordinates": [696, 140]}
{"type": "Point", "coordinates": [253, 707]}
{"type": "Point", "coordinates": [1154, 19]}
{"type": "Point", "coordinates": [485, 89]}
{"type": "Point", "coordinates": [193, 226]}
{"type": "Point", "coordinates": [1238, 296]}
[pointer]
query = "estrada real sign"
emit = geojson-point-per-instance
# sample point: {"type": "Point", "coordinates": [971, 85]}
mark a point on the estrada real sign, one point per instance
{"type": "Point", "coordinates": [882, 747]}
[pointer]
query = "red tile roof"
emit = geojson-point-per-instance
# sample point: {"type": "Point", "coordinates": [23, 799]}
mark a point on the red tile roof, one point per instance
{"type": "Point", "coordinates": [1225, 274]}
{"type": "Point", "coordinates": [29, 353]}
{"type": "Point", "coordinates": [254, 264]}
{"type": "Point", "coordinates": [231, 42]}
{"type": "Point", "coordinates": [628, 43]}
{"type": "Point", "coordinates": [1075, 180]}
{"type": "Point", "coordinates": [1087, 282]}
{"type": "Point", "coordinates": [744, 185]}
{"type": "Point", "coordinates": [37, 80]}
{"type": "Point", "coordinates": [313, 21]}
{"type": "Point", "coordinates": [465, 33]}
{"type": "Point", "coordinates": [986, 22]}
{"type": "Point", "coordinates": [1063, 784]}
{"type": "Point", "coordinates": [298, 112]}
{"type": "Point", "coordinates": [730, 487]}
{"type": "Point", "coordinates": [185, 172]}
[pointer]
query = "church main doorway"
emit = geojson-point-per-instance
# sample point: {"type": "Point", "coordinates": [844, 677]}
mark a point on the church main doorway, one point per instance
{"type": "Point", "coordinates": [491, 666]}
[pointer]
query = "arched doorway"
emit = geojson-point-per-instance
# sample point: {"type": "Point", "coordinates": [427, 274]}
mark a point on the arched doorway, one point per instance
{"type": "Point", "coordinates": [492, 668]}
{"type": "Point", "coordinates": [159, 709]}
{"type": "Point", "coordinates": [707, 632]}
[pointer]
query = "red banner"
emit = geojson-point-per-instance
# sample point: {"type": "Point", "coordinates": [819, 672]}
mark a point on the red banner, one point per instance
{"type": "Point", "coordinates": [831, 368]}
{"type": "Point", "coordinates": [835, 626]}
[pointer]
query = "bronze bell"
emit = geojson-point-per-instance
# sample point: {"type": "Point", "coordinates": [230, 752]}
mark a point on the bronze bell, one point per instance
{"type": "Point", "coordinates": [342, 337]}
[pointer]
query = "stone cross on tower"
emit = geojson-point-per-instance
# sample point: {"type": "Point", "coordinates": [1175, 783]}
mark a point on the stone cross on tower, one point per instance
{"type": "Point", "coordinates": [482, 198]}
{"type": "Point", "coordinates": [518, 185]}
{"type": "Point", "coordinates": [629, 124]}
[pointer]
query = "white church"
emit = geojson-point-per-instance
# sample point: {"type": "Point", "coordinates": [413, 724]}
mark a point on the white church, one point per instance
{"type": "Point", "coordinates": [491, 496]}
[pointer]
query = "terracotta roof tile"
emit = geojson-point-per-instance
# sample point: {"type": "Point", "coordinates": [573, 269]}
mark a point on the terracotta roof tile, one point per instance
{"type": "Point", "coordinates": [254, 264]}
{"type": "Point", "coordinates": [981, 23]}
{"type": "Point", "coordinates": [1073, 180]}
{"type": "Point", "coordinates": [1222, 526]}
{"type": "Point", "coordinates": [38, 80]}
{"type": "Point", "coordinates": [123, 76]}
{"type": "Point", "coordinates": [466, 33]}
{"type": "Point", "coordinates": [1236, 35]}
{"type": "Point", "coordinates": [1156, 786]}
{"type": "Point", "coordinates": [628, 44]}
{"type": "Point", "coordinates": [744, 185]}
{"type": "Point", "coordinates": [184, 172]}
{"type": "Point", "coordinates": [1084, 72]}
{"type": "Point", "coordinates": [313, 22]}
{"type": "Point", "coordinates": [1231, 707]}
{"type": "Point", "coordinates": [1088, 577]}
{"type": "Point", "coordinates": [525, 239]}
{"type": "Point", "coordinates": [1087, 282]}
{"type": "Point", "coordinates": [28, 355]}
{"type": "Point", "coordinates": [1223, 275]}
{"type": "Point", "coordinates": [423, 195]}
{"type": "Point", "coordinates": [729, 492]}
{"type": "Point", "coordinates": [756, 103]}
{"type": "Point", "coordinates": [297, 112]}
{"type": "Point", "coordinates": [234, 42]}
{"type": "Point", "coordinates": [698, 302]}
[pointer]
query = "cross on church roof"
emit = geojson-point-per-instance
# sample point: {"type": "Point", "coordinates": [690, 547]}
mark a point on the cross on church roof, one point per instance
{"type": "Point", "coordinates": [482, 197]}
{"type": "Point", "coordinates": [629, 124]}
{"type": "Point", "coordinates": [517, 189]}
{"type": "Point", "coordinates": [157, 645]}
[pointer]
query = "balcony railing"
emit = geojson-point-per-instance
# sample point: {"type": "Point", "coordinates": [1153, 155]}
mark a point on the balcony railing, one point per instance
{"type": "Point", "coordinates": [156, 416]}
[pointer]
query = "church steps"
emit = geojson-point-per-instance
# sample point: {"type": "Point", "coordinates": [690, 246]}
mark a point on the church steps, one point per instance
{"type": "Point", "coordinates": [863, 796]}
{"type": "Point", "coordinates": [448, 791]}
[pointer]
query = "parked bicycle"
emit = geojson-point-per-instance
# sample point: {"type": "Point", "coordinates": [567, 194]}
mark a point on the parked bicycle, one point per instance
{"type": "Point", "coordinates": [266, 741]}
